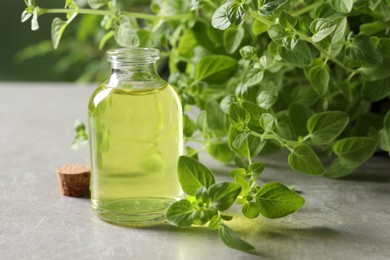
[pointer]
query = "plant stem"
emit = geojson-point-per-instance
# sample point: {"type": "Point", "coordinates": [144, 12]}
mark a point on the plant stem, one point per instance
{"type": "Point", "coordinates": [260, 18]}
{"type": "Point", "coordinates": [107, 12]}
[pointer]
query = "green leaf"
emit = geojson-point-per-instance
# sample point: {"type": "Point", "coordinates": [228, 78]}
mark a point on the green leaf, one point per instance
{"type": "Point", "coordinates": [256, 168]}
{"type": "Point", "coordinates": [126, 35]}
{"type": "Point", "coordinates": [232, 240]}
{"type": "Point", "coordinates": [319, 78]}
{"type": "Point", "coordinates": [215, 68]}
{"type": "Point", "coordinates": [180, 213]}
{"type": "Point", "coordinates": [248, 52]}
{"type": "Point", "coordinates": [189, 127]}
{"type": "Point", "coordinates": [373, 27]}
{"type": "Point", "coordinates": [372, 73]}
{"type": "Point", "coordinates": [255, 113]}
{"type": "Point", "coordinates": [215, 223]}
{"type": "Point", "coordinates": [223, 194]}
{"type": "Point", "coordinates": [220, 20]}
{"type": "Point", "coordinates": [216, 118]}
{"type": "Point", "coordinates": [384, 134]}
{"type": "Point", "coordinates": [363, 50]}
{"type": "Point", "coordinates": [57, 29]}
{"type": "Point", "coordinates": [376, 90]}
{"type": "Point", "coordinates": [321, 28]}
{"type": "Point", "coordinates": [277, 33]}
{"type": "Point", "coordinates": [340, 31]}
{"type": "Point", "coordinates": [298, 116]}
{"type": "Point", "coordinates": [239, 117]}
{"type": "Point", "coordinates": [193, 175]}
{"type": "Point", "coordinates": [326, 126]}
{"type": "Point", "coordinates": [96, 4]}
{"type": "Point", "coordinates": [221, 152]}
{"type": "Point", "coordinates": [251, 210]}
{"type": "Point", "coordinates": [266, 122]}
{"type": "Point", "coordinates": [226, 102]}
{"type": "Point", "coordinates": [25, 16]}
{"type": "Point", "coordinates": [354, 151]}
{"type": "Point", "coordinates": [234, 139]}
{"type": "Point", "coordinates": [236, 12]}
{"type": "Point", "coordinates": [258, 27]}
{"type": "Point", "coordinates": [276, 200]}
{"type": "Point", "coordinates": [268, 6]}
{"type": "Point", "coordinates": [201, 121]}
{"type": "Point", "coordinates": [342, 6]}
{"type": "Point", "coordinates": [266, 99]}
{"type": "Point", "coordinates": [287, 20]}
{"type": "Point", "coordinates": [300, 55]}
{"type": "Point", "coordinates": [252, 76]}
{"type": "Point", "coordinates": [34, 20]}
{"type": "Point", "coordinates": [337, 170]}
{"type": "Point", "coordinates": [255, 145]}
{"type": "Point", "coordinates": [303, 159]}
{"type": "Point", "coordinates": [105, 38]}
{"type": "Point", "coordinates": [232, 38]}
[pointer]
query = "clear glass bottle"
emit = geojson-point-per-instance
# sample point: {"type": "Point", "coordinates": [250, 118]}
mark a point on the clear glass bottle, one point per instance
{"type": "Point", "coordinates": [135, 131]}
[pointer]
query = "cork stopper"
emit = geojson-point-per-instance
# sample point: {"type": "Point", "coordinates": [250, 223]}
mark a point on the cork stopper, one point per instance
{"type": "Point", "coordinates": [74, 180]}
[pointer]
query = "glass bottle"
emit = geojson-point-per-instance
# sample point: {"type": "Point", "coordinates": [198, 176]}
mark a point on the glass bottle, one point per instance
{"type": "Point", "coordinates": [135, 129]}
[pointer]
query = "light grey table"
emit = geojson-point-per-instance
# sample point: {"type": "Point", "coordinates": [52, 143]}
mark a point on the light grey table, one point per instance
{"type": "Point", "coordinates": [343, 219]}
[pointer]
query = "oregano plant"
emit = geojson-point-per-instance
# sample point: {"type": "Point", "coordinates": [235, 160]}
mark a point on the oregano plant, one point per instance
{"type": "Point", "coordinates": [308, 77]}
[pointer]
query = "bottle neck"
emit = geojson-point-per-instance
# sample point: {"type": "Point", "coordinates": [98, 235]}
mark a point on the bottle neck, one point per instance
{"type": "Point", "coordinates": [125, 75]}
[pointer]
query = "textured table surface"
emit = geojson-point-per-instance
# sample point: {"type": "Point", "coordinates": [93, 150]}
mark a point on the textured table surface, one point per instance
{"type": "Point", "coordinates": [343, 219]}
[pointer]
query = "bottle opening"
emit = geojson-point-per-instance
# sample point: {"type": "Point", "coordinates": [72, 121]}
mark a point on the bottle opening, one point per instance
{"type": "Point", "coordinates": [133, 55]}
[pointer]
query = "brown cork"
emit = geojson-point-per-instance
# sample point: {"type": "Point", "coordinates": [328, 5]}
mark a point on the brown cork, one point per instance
{"type": "Point", "coordinates": [74, 180]}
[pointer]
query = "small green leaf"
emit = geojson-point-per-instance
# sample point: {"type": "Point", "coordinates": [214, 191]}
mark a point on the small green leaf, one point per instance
{"type": "Point", "coordinates": [240, 140]}
{"type": "Point", "coordinates": [105, 38]}
{"type": "Point", "coordinates": [354, 151]}
{"type": "Point", "coordinates": [319, 78]}
{"type": "Point", "coordinates": [189, 127]}
{"type": "Point", "coordinates": [321, 28]}
{"type": "Point", "coordinates": [376, 90]}
{"type": "Point", "coordinates": [126, 35]}
{"type": "Point", "coordinates": [266, 122]}
{"type": "Point", "coordinates": [215, 68]}
{"type": "Point", "coordinates": [96, 4]}
{"type": "Point", "coordinates": [238, 171]}
{"type": "Point", "coordinates": [340, 31]}
{"type": "Point", "coordinates": [220, 20]}
{"type": "Point", "coordinates": [342, 6]}
{"type": "Point", "coordinates": [256, 168]}
{"type": "Point", "coordinates": [252, 76]}
{"type": "Point", "coordinates": [337, 170]}
{"type": "Point", "coordinates": [240, 179]}
{"type": "Point", "coordinates": [226, 102]}
{"type": "Point", "coordinates": [255, 113]}
{"type": "Point", "coordinates": [303, 159]}
{"type": "Point", "coordinates": [25, 16]}
{"type": "Point", "coordinates": [57, 29]}
{"type": "Point", "coordinates": [223, 194]}
{"type": "Point", "coordinates": [215, 223]}
{"type": "Point", "coordinates": [287, 20]}
{"type": "Point", "coordinates": [266, 99]}
{"type": "Point", "coordinates": [363, 50]}
{"type": "Point", "coordinates": [239, 117]}
{"type": "Point", "coordinates": [221, 152]}
{"type": "Point", "coordinates": [300, 55]}
{"type": "Point", "coordinates": [326, 126]}
{"type": "Point", "coordinates": [233, 137]}
{"type": "Point", "coordinates": [258, 27]}
{"type": "Point", "coordinates": [34, 20]}
{"type": "Point", "coordinates": [193, 175]}
{"type": "Point", "coordinates": [236, 12]}
{"type": "Point", "coordinates": [248, 52]}
{"type": "Point", "coordinates": [277, 33]}
{"type": "Point", "coordinates": [251, 210]}
{"type": "Point", "coordinates": [232, 38]}
{"type": "Point", "coordinates": [216, 118]}
{"type": "Point", "coordinates": [268, 6]}
{"type": "Point", "coordinates": [180, 213]}
{"type": "Point", "coordinates": [276, 200]}
{"type": "Point", "coordinates": [232, 240]}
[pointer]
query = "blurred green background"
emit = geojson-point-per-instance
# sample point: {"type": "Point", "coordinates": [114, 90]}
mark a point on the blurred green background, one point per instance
{"type": "Point", "coordinates": [16, 36]}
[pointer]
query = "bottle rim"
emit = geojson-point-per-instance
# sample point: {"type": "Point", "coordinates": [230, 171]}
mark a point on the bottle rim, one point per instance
{"type": "Point", "coordinates": [133, 55]}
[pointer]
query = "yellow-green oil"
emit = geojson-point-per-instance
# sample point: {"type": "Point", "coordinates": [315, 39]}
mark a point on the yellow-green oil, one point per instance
{"type": "Point", "coordinates": [135, 141]}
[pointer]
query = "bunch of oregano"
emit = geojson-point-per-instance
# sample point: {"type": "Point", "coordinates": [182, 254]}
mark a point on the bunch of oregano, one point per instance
{"type": "Point", "coordinates": [309, 77]}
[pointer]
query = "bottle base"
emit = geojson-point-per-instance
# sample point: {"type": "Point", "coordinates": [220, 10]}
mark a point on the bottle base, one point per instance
{"type": "Point", "coordinates": [133, 212]}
